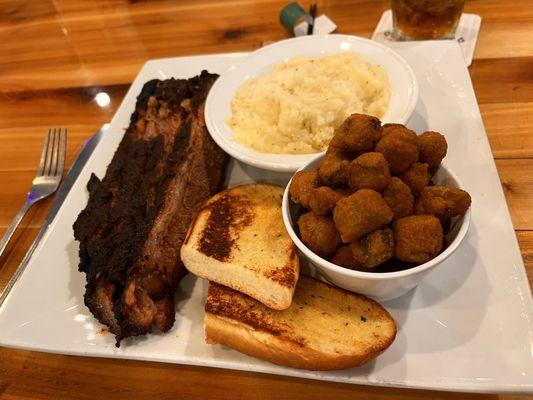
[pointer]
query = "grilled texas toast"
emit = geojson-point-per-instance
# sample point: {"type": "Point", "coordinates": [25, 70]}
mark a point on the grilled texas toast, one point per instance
{"type": "Point", "coordinates": [325, 328]}
{"type": "Point", "coordinates": [238, 240]}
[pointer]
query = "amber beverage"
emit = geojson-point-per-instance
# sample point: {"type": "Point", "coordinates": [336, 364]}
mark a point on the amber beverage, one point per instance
{"type": "Point", "coordinates": [426, 19]}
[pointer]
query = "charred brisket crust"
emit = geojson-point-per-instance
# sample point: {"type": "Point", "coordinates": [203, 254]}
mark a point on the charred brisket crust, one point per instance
{"type": "Point", "coordinates": [123, 206]}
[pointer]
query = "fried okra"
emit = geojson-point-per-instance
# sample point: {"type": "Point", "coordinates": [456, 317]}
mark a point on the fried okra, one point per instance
{"type": "Point", "coordinates": [301, 185]}
{"type": "Point", "coordinates": [373, 249]}
{"type": "Point", "coordinates": [343, 257]}
{"type": "Point", "coordinates": [388, 128]}
{"type": "Point", "coordinates": [417, 238]}
{"type": "Point", "coordinates": [344, 191]}
{"type": "Point", "coordinates": [373, 175]}
{"type": "Point", "coordinates": [323, 200]}
{"type": "Point", "coordinates": [442, 201]}
{"type": "Point", "coordinates": [433, 148]}
{"type": "Point", "coordinates": [357, 134]}
{"type": "Point", "coordinates": [366, 253]}
{"type": "Point", "coordinates": [333, 169]}
{"type": "Point", "coordinates": [369, 171]}
{"type": "Point", "coordinates": [416, 177]}
{"type": "Point", "coordinates": [399, 198]}
{"type": "Point", "coordinates": [418, 208]}
{"type": "Point", "coordinates": [360, 213]}
{"type": "Point", "coordinates": [400, 149]}
{"type": "Point", "coordinates": [319, 234]}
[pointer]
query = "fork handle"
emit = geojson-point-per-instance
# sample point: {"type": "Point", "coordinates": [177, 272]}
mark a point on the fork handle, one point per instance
{"type": "Point", "coordinates": [13, 225]}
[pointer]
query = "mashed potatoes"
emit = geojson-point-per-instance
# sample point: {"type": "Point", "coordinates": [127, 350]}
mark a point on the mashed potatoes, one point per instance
{"type": "Point", "coordinates": [297, 105]}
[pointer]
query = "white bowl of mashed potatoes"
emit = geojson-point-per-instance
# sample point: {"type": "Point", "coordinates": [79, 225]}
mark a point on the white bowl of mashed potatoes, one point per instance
{"type": "Point", "coordinates": [279, 107]}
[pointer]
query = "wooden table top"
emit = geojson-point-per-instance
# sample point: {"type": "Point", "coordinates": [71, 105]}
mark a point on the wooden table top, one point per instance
{"type": "Point", "coordinates": [57, 54]}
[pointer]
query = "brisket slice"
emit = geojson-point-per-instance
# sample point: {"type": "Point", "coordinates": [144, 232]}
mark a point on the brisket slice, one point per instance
{"type": "Point", "coordinates": [132, 228]}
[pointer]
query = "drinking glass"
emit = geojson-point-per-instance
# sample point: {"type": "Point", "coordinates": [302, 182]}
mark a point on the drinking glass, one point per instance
{"type": "Point", "coordinates": [425, 19]}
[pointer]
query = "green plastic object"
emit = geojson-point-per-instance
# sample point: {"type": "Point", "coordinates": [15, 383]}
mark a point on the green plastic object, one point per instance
{"type": "Point", "coordinates": [290, 14]}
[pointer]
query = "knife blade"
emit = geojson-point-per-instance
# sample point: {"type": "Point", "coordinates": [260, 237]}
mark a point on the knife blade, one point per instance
{"type": "Point", "coordinates": [64, 189]}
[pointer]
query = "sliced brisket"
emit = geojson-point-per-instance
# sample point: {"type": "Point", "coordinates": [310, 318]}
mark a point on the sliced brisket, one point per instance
{"type": "Point", "coordinates": [137, 216]}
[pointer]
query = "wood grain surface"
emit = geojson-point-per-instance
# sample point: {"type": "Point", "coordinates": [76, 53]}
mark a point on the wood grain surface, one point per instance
{"type": "Point", "coordinates": [56, 55]}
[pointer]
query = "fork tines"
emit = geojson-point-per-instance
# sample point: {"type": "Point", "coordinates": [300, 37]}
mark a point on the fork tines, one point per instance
{"type": "Point", "coordinates": [53, 154]}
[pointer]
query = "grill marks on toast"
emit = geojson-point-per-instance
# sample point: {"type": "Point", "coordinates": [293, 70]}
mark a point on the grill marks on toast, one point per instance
{"type": "Point", "coordinates": [286, 275]}
{"type": "Point", "coordinates": [325, 328]}
{"type": "Point", "coordinates": [136, 218]}
{"type": "Point", "coordinates": [229, 213]}
{"type": "Point", "coordinates": [226, 302]}
{"type": "Point", "coordinates": [238, 239]}
{"type": "Point", "coordinates": [227, 216]}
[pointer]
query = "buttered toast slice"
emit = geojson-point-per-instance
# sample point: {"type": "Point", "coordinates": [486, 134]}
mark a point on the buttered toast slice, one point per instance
{"type": "Point", "coordinates": [238, 240]}
{"type": "Point", "coordinates": [325, 328]}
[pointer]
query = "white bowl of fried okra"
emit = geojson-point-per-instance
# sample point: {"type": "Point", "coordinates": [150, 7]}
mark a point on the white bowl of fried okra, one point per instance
{"type": "Point", "coordinates": [378, 210]}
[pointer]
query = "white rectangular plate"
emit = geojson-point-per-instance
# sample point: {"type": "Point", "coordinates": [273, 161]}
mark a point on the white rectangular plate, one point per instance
{"type": "Point", "coordinates": [467, 327]}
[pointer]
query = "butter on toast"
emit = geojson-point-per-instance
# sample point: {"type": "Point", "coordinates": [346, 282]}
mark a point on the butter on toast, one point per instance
{"type": "Point", "coordinates": [238, 239]}
{"type": "Point", "coordinates": [325, 328]}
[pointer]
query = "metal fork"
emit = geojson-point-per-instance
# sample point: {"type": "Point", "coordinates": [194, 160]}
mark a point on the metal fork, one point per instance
{"type": "Point", "coordinates": [47, 179]}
